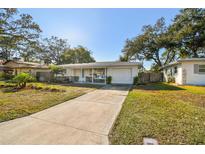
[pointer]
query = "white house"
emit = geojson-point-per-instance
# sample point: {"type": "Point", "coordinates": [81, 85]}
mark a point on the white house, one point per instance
{"type": "Point", "coordinates": [186, 71]}
{"type": "Point", "coordinates": [121, 72]}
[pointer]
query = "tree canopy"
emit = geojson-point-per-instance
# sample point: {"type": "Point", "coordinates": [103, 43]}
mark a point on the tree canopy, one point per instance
{"type": "Point", "coordinates": [55, 69]}
{"type": "Point", "coordinates": [17, 32]}
{"type": "Point", "coordinates": [189, 31]}
{"type": "Point", "coordinates": [51, 50]}
{"type": "Point", "coordinates": [21, 37]}
{"type": "Point", "coordinates": [162, 43]}
{"type": "Point", "coordinates": [78, 54]}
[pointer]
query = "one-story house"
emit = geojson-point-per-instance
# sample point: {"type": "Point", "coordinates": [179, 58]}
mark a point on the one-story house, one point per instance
{"type": "Point", "coordinates": [186, 71]}
{"type": "Point", "coordinates": [97, 73]}
{"type": "Point", "coordinates": [40, 71]}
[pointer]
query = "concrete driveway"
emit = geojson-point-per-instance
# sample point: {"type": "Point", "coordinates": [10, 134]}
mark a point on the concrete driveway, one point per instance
{"type": "Point", "coordinates": [83, 120]}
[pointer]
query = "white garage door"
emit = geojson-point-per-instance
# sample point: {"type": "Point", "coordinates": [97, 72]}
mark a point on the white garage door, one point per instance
{"type": "Point", "coordinates": [121, 76]}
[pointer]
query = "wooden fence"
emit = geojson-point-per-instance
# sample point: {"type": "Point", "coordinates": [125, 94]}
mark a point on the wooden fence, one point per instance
{"type": "Point", "coordinates": [150, 77]}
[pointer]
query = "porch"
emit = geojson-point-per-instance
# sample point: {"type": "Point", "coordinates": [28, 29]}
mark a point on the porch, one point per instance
{"type": "Point", "coordinates": [88, 75]}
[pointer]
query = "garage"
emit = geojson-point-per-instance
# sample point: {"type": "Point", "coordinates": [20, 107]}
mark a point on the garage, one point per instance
{"type": "Point", "coordinates": [121, 75]}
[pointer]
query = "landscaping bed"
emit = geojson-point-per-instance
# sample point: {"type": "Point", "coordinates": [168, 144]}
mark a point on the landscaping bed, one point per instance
{"type": "Point", "coordinates": [34, 97]}
{"type": "Point", "coordinates": [170, 114]}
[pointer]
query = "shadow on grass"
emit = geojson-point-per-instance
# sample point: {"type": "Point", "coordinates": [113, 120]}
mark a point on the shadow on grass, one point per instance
{"type": "Point", "coordinates": [118, 87]}
{"type": "Point", "coordinates": [79, 85]}
{"type": "Point", "coordinates": [158, 86]}
{"type": "Point", "coordinates": [9, 89]}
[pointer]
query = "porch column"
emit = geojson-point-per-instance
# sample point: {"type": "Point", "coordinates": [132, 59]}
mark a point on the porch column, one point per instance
{"type": "Point", "coordinates": [105, 76]}
{"type": "Point", "coordinates": [81, 75]}
{"type": "Point", "coordinates": [92, 75]}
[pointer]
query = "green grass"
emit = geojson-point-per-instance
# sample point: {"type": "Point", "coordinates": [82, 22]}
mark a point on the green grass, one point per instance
{"type": "Point", "coordinates": [27, 101]}
{"type": "Point", "coordinates": [170, 114]}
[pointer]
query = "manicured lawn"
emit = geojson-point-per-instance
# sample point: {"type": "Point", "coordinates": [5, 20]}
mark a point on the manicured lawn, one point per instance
{"type": "Point", "coordinates": [27, 101]}
{"type": "Point", "coordinates": [170, 114]}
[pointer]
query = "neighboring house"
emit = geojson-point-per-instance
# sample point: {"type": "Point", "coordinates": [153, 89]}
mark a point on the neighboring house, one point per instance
{"type": "Point", "coordinates": [4, 68]}
{"type": "Point", "coordinates": [186, 71]}
{"type": "Point", "coordinates": [42, 72]}
{"type": "Point", "coordinates": [121, 72]}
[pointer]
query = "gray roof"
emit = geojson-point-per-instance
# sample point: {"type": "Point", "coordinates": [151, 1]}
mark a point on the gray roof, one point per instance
{"type": "Point", "coordinates": [101, 64]}
{"type": "Point", "coordinates": [28, 64]}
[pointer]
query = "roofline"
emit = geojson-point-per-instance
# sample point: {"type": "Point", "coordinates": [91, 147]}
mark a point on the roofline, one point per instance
{"type": "Point", "coordinates": [101, 64]}
{"type": "Point", "coordinates": [183, 60]}
{"type": "Point", "coordinates": [191, 59]}
{"type": "Point", "coordinates": [29, 65]}
{"type": "Point", "coordinates": [21, 62]}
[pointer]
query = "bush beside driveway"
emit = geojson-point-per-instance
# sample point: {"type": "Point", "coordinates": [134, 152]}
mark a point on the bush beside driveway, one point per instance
{"type": "Point", "coordinates": [171, 114]}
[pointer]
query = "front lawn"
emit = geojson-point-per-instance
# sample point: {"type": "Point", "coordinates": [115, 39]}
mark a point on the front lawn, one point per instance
{"type": "Point", "coordinates": [34, 98]}
{"type": "Point", "coordinates": [170, 114]}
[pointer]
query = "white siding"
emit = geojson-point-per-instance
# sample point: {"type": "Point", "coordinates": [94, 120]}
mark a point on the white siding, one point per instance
{"type": "Point", "coordinates": [69, 72]}
{"type": "Point", "coordinates": [177, 76]}
{"type": "Point", "coordinates": [191, 77]}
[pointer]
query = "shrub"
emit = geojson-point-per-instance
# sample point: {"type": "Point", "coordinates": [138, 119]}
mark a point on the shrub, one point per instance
{"type": "Point", "coordinates": [5, 76]}
{"type": "Point", "coordinates": [109, 80]}
{"type": "Point", "coordinates": [136, 80]}
{"type": "Point", "coordinates": [171, 79]}
{"type": "Point", "coordinates": [1, 75]}
{"type": "Point", "coordinates": [22, 78]}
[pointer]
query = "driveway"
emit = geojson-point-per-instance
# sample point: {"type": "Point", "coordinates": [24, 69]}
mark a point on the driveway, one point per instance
{"type": "Point", "coordinates": [83, 120]}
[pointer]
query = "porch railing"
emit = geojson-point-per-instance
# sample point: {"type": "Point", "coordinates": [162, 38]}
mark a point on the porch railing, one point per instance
{"type": "Point", "coordinates": [87, 79]}
{"type": "Point", "coordinates": [96, 80]}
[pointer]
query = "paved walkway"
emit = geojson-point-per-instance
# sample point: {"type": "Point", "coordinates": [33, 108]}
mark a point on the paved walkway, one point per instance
{"type": "Point", "coordinates": [83, 120]}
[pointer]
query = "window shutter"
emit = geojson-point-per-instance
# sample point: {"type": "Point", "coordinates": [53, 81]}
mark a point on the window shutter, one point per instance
{"type": "Point", "coordinates": [196, 68]}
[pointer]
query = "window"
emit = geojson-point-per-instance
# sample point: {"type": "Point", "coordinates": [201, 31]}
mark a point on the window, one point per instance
{"type": "Point", "coordinates": [99, 73]}
{"type": "Point", "coordinates": [201, 68]}
{"type": "Point", "coordinates": [175, 70]}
